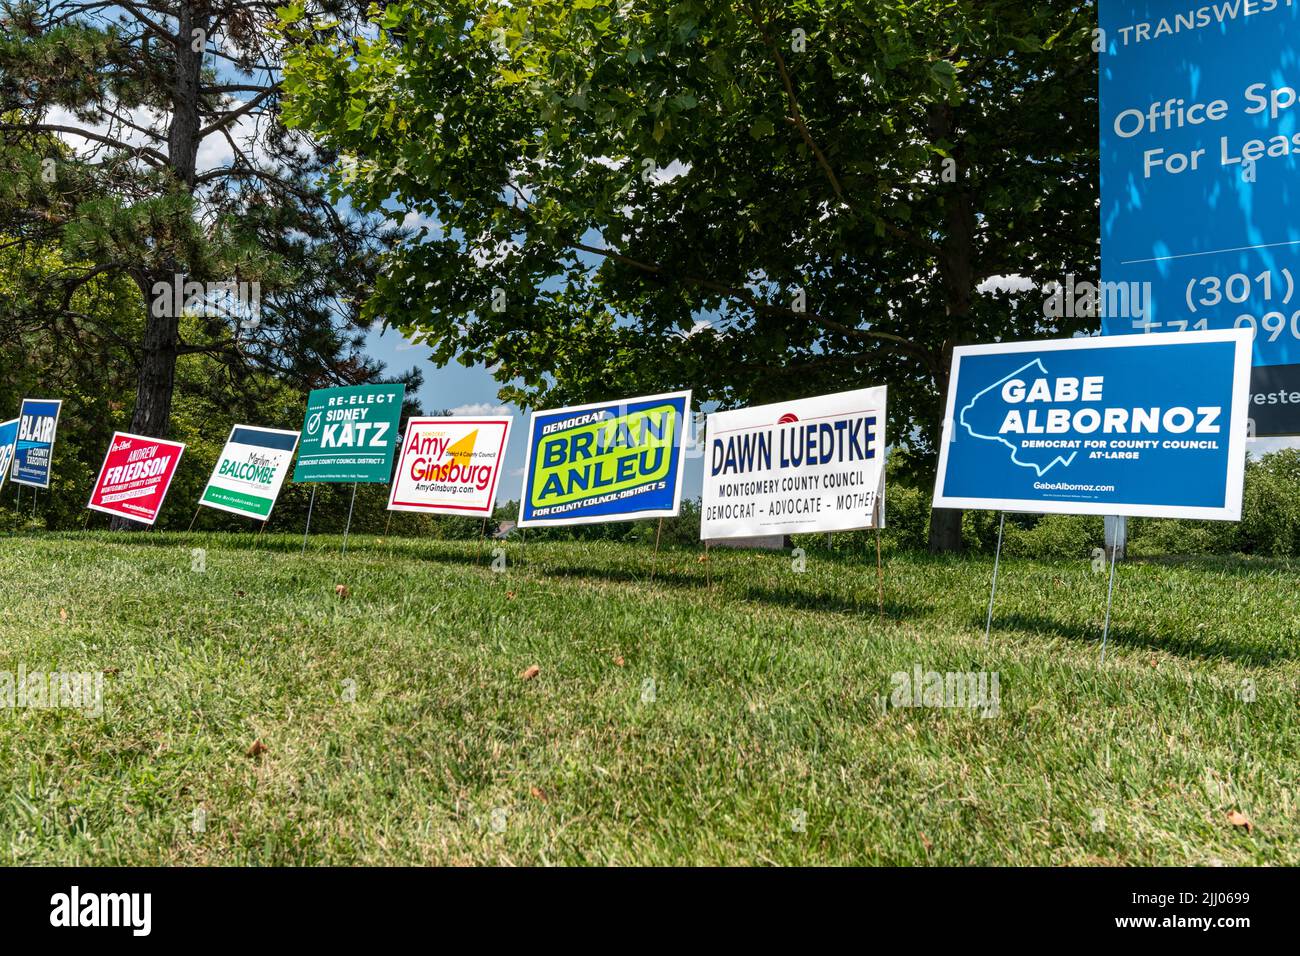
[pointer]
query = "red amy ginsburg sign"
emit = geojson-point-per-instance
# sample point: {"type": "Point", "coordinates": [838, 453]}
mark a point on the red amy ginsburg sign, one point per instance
{"type": "Point", "coordinates": [450, 465]}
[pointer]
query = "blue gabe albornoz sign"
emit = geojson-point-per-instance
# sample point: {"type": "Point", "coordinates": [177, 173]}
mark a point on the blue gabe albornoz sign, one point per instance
{"type": "Point", "coordinates": [1141, 426]}
{"type": "Point", "coordinates": [608, 461]}
{"type": "Point", "coordinates": [1200, 180]}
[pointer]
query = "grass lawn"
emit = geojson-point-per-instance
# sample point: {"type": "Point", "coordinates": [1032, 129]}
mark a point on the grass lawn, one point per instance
{"type": "Point", "coordinates": [670, 722]}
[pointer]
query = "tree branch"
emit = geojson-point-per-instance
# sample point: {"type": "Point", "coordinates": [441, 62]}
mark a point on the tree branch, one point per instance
{"type": "Point", "coordinates": [142, 151]}
{"type": "Point", "coordinates": [796, 117]}
{"type": "Point", "coordinates": [233, 115]}
{"type": "Point", "coordinates": [758, 305]}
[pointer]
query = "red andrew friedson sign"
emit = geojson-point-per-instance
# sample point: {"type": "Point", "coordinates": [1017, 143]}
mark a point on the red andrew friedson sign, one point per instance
{"type": "Point", "coordinates": [136, 474]}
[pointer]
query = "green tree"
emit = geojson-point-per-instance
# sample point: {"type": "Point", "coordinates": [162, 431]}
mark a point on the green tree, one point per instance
{"type": "Point", "coordinates": [145, 141]}
{"type": "Point", "coordinates": [761, 200]}
{"type": "Point", "coordinates": [57, 357]}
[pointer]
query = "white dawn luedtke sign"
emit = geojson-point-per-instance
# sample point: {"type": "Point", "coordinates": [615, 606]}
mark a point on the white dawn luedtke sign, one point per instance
{"type": "Point", "coordinates": [814, 464]}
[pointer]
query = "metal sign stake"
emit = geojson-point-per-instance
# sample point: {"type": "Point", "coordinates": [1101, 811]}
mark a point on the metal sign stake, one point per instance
{"type": "Point", "coordinates": [880, 579]}
{"type": "Point", "coordinates": [654, 561]}
{"type": "Point", "coordinates": [310, 505]}
{"type": "Point", "coordinates": [1110, 593]}
{"type": "Point", "coordinates": [997, 557]}
{"type": "Point", "coordinates": [348, 527]}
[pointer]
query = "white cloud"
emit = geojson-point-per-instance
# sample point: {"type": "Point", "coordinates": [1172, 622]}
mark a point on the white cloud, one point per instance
{"type": "Point", "coordinates": [214, 149]}
{"type": "Point", "coordinates": [487, 256]}
{"type": "Point", "coordinates": [670, 172]}
{"type": "Point", "coordinates": [415, 220]}
{"type": "Point", "coordinates": [1258, 447]}
{"type": "Point", "coordinates": [481, 408]}
{"type": "Point", "coordinates": [1011, 283]}
{"type": "Point", "coordinates": [143, 117]}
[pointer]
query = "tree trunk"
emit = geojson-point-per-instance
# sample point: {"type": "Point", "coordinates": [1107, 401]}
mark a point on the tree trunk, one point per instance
{"type": "Point", "coordinates": [157, 376]}
{"type": "Point", "coordinates": [957, 269]}
{"type": "Point", "coordinates": [193, 24]}
{"type": "Point", "coordinates": [159, 347]}
{"type": "Point", "coordinates": [945, 530]}
{"type": "Point", "coordinates": [945, 523]}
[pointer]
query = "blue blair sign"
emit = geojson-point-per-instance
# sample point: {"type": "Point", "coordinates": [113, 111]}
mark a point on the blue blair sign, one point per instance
{"type": "Point", "coordinates": [38, 422]}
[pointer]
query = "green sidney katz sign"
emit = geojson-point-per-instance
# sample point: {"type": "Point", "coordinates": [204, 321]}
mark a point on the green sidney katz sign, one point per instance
{"type": "Point", "coordinates": [349, 434]}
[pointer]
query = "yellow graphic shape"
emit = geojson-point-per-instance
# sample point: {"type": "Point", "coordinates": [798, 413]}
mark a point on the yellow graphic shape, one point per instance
{"type": "Point", "coordinates": [463, 450]}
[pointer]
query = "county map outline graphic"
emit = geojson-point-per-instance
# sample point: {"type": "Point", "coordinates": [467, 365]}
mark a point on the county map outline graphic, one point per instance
{"type": "Point", "coordinates": [1039, 469]}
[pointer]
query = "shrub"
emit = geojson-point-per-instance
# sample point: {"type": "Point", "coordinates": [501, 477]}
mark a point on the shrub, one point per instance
{"type": "Point", "coordinates": [1149, 537]}
{"type": "Point", "coordinates": [907, 518]}
{"type": "Point", "coordinates": [1270, 512]}
{"type": "Point", "coordinates": [1053, 536]}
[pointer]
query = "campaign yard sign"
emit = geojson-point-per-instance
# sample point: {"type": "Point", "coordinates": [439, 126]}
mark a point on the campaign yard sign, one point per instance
{"type": "Point", "coordinates": [349, 434]}
{"type": "Point", "coordinates": [450, 465]}
{"type": "Point", "coordinates": [8, 436]}
{"type": "Point", "coordinates": [34, 449]}
{"type": "Point", "coordinates": [250, 470]}
{"type": "Point", "coordinates": [815, 464]}
{"type": "Point", "coordinates": [1200, 155]}
{"type": "Point", "coordinates": [135, 476]}
{"type": "Point", "coordinates": [1149, 425]}
{"type": "Point", "coordinates": [607, 461]}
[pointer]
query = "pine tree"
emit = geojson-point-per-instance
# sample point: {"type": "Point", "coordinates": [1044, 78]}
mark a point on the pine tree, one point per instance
{"type": "Point", "coordinates": [145, 138]}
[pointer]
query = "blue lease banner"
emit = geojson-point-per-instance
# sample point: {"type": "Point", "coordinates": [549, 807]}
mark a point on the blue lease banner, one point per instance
{"type": "Point", "coordinates": [37, 424]}
{"type": "Point", "coordinates": [608, 461]}
{"type": "Point", "coordinates": [1200, 159]}
{"type": "Point", "coordinates": [8, 436]}
{"type": "Point", "coordinates": [1142, 426]}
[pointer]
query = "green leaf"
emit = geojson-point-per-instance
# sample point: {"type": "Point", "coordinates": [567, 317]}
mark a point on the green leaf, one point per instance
{"type": "Point", "coordinates": [944, 73]}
